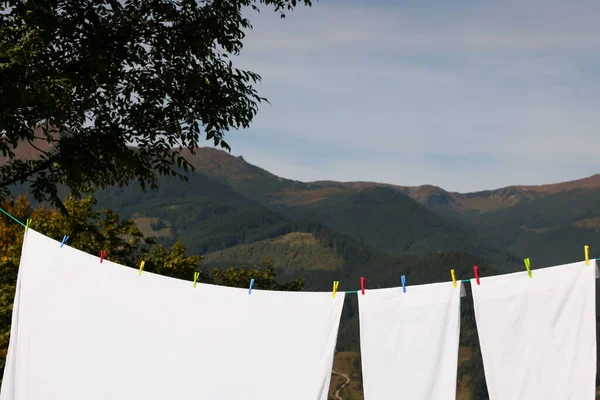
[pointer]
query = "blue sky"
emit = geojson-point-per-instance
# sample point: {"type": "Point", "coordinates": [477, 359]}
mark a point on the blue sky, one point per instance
{"type": "Point", "coordinates": [466, 95]}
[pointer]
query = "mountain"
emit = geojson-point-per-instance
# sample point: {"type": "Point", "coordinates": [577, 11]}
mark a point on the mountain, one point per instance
{"type": "Point", "coordinates": [229, 202]}
{"type": "Point", "coordinates": [548, 223]}
{"type": "Point", "coordinates": [379, 215]}
{"type": "Point", "coordinates": [493, 200]}
{"type": "Point", "coordinates": [206, 214]}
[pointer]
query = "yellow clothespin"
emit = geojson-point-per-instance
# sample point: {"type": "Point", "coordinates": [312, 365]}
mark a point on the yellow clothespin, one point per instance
{"type": "Point", "coordinates": [528, 266]}
{"type": "Point", "coordinates": [335, 288]}
{"type": "Point", "coordinates": [453, 277]}
{"type": "Point", "coordinates": [141, 267]}
{"type": "Point", "coordinates": [586, 249]}
{"type": "Point", "coordinates": [196, 276]}
{"type": "Point", "coordinates": [27, 224]}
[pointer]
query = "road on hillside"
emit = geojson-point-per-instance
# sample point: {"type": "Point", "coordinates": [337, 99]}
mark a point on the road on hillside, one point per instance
{"type": "Point", "coordinates": [343, 385]}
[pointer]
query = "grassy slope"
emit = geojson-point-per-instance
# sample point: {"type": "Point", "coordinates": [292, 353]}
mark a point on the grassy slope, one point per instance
{"type": "Point", "coordinates": [207, 215]}
{"type": "Point", "coordinates": [296, 251]}
{"type": "Point", "coordinates": [389, 220]}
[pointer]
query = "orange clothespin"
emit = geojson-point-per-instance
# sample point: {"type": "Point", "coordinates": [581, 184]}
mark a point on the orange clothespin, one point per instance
{"type": "Point", "coordinates": [586, 249]}
{"type": "Point", "coordinates": [335, 288]}
{"type": "Point", "coordinates": [453, 277]}
{"type": "Point", "coordinates": [102, 255]}
{"type": "Point", "coordinates": [141, 267]}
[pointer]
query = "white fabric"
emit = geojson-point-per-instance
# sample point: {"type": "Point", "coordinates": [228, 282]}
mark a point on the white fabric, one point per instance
{"type": "Point", "coordinates": [538, 335]}
{"type": "Point", "coordinates": [86, 330]}
{"type": "Point", "coordinates": [409, 342]}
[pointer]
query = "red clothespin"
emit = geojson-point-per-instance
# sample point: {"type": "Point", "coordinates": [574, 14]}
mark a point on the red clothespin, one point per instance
{"type": "Point", "coordinates": [362, 284]}
{"type": "Point", "coordinates": [476, 270]}
{"type": "Point", "coordinates": [102, 255]}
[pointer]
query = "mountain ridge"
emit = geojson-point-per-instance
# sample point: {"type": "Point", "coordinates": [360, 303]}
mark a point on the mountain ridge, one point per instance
{"type": "Point", "coordinates": [428, 195]}
{"type": "Point", "coordinates": [215, 159]}
{"type": "Point", "coordinates": [501, 225]}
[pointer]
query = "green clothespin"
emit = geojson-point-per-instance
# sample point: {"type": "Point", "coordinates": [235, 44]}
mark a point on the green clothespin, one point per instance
{"type": "Point", "coordinates": [528, 266]}
{"type": "Point", "coordinates": [196, 276]}
{"type": "Point", "coordinates": [27, 225]}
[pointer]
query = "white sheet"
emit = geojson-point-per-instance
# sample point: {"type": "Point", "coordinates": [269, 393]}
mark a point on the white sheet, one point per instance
{"type": "Point", "coordinates": [409, 342]}
{"type": "Point", "coordinates": [85, 330]}
{"type": "Point", "coordinates": [538, 336]}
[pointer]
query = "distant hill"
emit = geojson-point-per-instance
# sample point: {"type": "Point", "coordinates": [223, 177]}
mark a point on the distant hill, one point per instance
{"type": "Point", "coordinates": [229, 202]}
{"type": "Point", "coordinates": [551, 229]}
{"type": "Point", "coordinates": [206, 214]}
{"type": "Point", "coordinates": [381, 216]}
{"type": "Point", "coordinates": [548, 223]}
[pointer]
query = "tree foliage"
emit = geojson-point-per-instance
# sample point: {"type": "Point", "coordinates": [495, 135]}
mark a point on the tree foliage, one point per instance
{"type": "Point", "coordinates": [80, 81]}
{"type": "Point", "coordinates": [91, 231]}
{"type": "Point", "coordinates": [264, 278]}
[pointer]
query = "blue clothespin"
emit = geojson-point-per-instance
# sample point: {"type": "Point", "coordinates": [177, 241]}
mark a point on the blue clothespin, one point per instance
{"type": "Point", "coordinates": [251, 285]}
{"type": "Point", "coordinates": [65, 238]}
{"type": "Point", "coordinates": [404, 283]}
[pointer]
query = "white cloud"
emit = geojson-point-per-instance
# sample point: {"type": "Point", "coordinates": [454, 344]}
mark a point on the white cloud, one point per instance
{"type": "Point", "coordinates": [500, 25]}
{"type": "Point", "coordinates": [506, 80]}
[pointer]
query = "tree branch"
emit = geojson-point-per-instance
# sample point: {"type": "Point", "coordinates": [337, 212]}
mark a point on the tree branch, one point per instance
{"type": "Point", "coordinates": [21, 177]}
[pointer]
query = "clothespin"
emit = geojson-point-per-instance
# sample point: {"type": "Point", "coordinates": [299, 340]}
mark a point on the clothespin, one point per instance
{"type": "Point", "coordinates": [65, 238]}
{"type": "Point", "coordinates": [335, 288]}
{"type": "Point", "coordinates": [251, 285]}
{"type": "Point", "coordinates": [27, 224]}
{"type": "Point", "coordinates": [476, 270]}
{"type": "Point", "coordinates": [196, 276]}
{"type": "Point", "coordinates": [528, 266]}
{"type": "Point", "coordinates": [362, 284]}
{"type": "Point", "coordinates": [403, 277]}
{"type": "Point", "coordinates": [453, 277]}
{"type": "Point", "coordinates": [142, 267]}
{"type": "Point", "coordinates": [102, 255]}
{"type": "Point", "coordinates": [586, 250]}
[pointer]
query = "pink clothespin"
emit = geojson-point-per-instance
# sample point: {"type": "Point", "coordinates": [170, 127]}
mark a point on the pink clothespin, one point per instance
{"type": "Point", "coordinates": [102, 255]}
{"type": "Point", "coordinates": [362, 284]}
{"type": "Point", "coordinates": [476, 270]}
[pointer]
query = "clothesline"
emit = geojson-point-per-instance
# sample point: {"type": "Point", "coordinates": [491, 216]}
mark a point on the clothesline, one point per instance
{"type": "Point", "coordinates": [357, 291]}
{"type": "Point", "coordinates": [335, 290]}
{"type": "Point", "coordinates": [16, 220]}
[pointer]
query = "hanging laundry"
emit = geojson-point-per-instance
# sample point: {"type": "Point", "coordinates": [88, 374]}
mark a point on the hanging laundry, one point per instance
{"type": "Point", "coordinates": [538, 335]}
{"type": "Point", "coordinates": [89, 330]}
{"type": "Point", "coordinates": [409, 342]}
